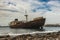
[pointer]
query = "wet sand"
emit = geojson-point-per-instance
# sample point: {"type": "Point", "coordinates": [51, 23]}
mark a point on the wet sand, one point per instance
{"type": "Point", "coordinates": [35, 36]}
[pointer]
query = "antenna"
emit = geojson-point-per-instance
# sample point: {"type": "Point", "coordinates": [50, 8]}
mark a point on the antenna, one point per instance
{"type": "Point", "coordinates": [26, 15]}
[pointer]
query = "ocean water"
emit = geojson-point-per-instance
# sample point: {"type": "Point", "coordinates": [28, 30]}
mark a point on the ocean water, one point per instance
{"type": "Point", "coordinates": [7, 30]}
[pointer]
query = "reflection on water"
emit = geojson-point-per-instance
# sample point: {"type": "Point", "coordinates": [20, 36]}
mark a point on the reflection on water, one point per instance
{"type": "Point", "coordinates": [6, 30]}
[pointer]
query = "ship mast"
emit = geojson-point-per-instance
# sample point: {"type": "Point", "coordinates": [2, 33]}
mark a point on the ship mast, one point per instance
{"type": "Point", "coordinates": [26, 16]}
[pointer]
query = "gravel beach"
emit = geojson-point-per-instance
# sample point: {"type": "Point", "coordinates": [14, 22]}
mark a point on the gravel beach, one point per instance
{"type": "Point", "coordinates": [34, 36]}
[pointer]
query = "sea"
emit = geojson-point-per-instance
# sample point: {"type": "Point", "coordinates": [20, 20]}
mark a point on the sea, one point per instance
{"type": "Point", "coordinates": [10, 31]}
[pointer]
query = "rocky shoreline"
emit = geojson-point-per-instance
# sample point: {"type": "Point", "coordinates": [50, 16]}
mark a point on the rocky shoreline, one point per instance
{"type": "Point", "coordinates": [35, 36]}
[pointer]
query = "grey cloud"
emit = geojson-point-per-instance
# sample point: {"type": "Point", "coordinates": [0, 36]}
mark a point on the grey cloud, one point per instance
{"type": "Point", "coordinates": [9, 10]}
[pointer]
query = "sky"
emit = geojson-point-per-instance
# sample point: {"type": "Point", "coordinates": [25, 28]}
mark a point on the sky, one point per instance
{"type": "Point", "coordinates": [11, 9]}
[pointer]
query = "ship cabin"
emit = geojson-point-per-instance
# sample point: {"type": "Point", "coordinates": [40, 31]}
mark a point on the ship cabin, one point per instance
{"type": "Point", "coordinates": [15, 22]}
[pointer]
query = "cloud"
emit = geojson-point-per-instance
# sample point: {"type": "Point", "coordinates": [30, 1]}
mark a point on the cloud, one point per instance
{"type": "Point", "coordinates": [43, 7]}
{"type": "Point", "coordinates": [44, 0]}
{"type": "Point", "coordinates": [51, 10]}
{"type": "Point", "coordinates": [35, 8]}
{"type": "Point", "coordinates": [9, 10]}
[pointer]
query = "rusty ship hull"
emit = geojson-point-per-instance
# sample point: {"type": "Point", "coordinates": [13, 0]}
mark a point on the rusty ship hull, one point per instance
{"type": "Point", "coordinates": [35, 24]}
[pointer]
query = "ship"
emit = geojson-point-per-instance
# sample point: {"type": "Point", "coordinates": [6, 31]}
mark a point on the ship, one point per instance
{"type": "Point", "coordinates": [36, 23]}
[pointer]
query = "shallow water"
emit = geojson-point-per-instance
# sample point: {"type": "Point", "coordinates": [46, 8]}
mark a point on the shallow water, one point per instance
{"type": "Point", "coordinates": [7, 30]}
